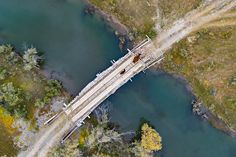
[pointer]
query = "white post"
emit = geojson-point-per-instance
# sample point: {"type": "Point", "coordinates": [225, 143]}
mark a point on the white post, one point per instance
{"type": "Point", "coordinates": [148, 38]}
{"type": "Point", "coordinates": [129, 51]}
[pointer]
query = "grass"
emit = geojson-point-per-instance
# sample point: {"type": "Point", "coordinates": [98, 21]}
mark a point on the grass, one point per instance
{"type": "Point", "coordinates": [207, 59]}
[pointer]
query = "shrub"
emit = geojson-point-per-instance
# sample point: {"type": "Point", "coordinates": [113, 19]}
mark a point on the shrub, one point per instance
{"type": "Point", "coordinates": [10, 95]}
{"type": "Point", "coordinates": [39, 103]}
{"type": "Point", "coordinates": [53, 88]}
{"type": "Point", "coordinates": [3, 73]}
{"type": "Point", "coordinates": [6, 48]}
{"type": "Point", "coordinates": [11, 98]}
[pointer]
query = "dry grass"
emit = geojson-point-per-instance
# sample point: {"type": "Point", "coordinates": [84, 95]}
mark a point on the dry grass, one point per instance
{"type": "Point", "coordinates": [227, 19]}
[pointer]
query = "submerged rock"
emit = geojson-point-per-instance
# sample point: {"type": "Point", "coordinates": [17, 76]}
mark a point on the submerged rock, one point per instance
{"type": "Point", "coordinates": [89, 10]}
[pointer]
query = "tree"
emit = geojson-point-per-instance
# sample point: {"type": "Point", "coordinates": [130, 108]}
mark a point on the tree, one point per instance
{"type": "Point", "coordinates": [150, 140]}
{"type": "Point", "coordinates": [10, 94]}
{"type": "Point", "coordinates": [68, 150]}
{"type": "Point", "coordinates": [53, 88]}
{"type": "Point", "coordinates": [139, 151]}
{"type": "Point", "coordinates": [6, 48]}
{"type": "Point", "coordinates": [11, 98]}
{"type": "Point", "coordinates": [3, 73]}
{"type": "Point", "coordinates": [31, 58]}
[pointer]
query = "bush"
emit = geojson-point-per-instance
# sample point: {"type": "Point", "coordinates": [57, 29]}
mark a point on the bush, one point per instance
{"type": "Point", "coordinates": [11, 98]}
{"type": "Point", "coordinates": [3, 73]}
{"type": "Point", "coordinates": [10, 95]}
{"type": "Point", "coordinates": [52, 89]}
{"type": "Point", "coordinates": [5, 48]}
{"type": "Point", "coordinates": [39, 103]}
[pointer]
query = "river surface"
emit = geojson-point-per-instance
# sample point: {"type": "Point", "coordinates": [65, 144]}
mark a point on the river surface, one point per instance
{"type": "Point", "coordinates": [77, 46]}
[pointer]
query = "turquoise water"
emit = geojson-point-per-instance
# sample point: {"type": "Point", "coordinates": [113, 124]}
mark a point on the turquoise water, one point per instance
{"type": "Point", "coordinates": [166, 103]}
{"type": "Point", "coordinates": [76, 47]}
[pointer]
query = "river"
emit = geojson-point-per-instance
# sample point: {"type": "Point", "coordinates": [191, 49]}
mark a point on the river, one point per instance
{"type": "Point", "coordinates": [77, 46]}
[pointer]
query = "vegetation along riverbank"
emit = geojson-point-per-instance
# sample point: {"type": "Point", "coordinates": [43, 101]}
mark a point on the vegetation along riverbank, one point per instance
{"type": "Point", "coordinates": [100, 137]}
{"type": "Point", "coordinates": [26, 97]}
{"type": "Point", "coordinates": [206, 58]}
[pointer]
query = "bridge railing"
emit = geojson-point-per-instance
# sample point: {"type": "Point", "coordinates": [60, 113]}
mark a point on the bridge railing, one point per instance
{"type": "Point", "coordinates": [100, 76]}
{"type": "Point", "coordinates": [141, 44]}
{"type": "Point", "coordinates": [86, 114]}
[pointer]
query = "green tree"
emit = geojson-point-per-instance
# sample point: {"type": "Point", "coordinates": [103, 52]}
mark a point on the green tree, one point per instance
{"type": "Point", "coordinates": [3, 73]}
{"type": "Point", "coordinates": [6, 48]}
{"type": "Point", "coordinates": [10, 95]}
{"type": "Point", "coordinates": [53, 88]}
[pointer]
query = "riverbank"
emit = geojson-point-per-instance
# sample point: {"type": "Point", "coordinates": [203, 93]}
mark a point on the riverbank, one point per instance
{"type": "Point", "coordinates": [109, 19]}
{"type": "Point", "coordinates": [200, 110]}
{"type": "Point", "coordinates": [210, 73]}
{"type": "Point", "coordinates": [126, 12]}
{"type": "Point", "coordinates": [126, 40]}
{"type": "Point", "coordinates": [203, 112]}
{"type": "Point", "coordinates": [221, 118]}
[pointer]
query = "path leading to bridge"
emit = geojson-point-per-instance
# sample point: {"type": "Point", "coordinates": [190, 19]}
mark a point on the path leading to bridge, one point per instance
{"type": "Point", "coordinates": [106, 83]}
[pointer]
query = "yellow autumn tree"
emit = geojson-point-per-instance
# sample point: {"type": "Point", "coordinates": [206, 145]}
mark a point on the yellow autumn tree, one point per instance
{"type": "Point", "coordinates": [6, 120]}
{"type": "Point", "coordinates": [150, 139]}
{"type": "Point", "coordinates": [83, 136]}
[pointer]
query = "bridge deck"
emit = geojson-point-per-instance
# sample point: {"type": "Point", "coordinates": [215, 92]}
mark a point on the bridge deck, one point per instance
{"type": "Point", "coordinates": [110, 80]}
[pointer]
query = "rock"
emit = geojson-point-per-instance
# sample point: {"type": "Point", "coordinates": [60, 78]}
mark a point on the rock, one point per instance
{"type": "Point", "coordinates": [117, 33]}
{"type": "Point", "coordinates": [122, 42]}
{"type": "Point", "coordinates": [89, 10]}
{"type": "Point", "coordinates": [204, 116]}
{"type": "Point", "coordinates": [197, 108]}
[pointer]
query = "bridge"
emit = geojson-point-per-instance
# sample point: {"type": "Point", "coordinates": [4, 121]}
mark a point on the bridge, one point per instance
{"type": "Point", "coordinates": [106, 83]}
{"type": "Point", "coordinates": [141, 57]}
